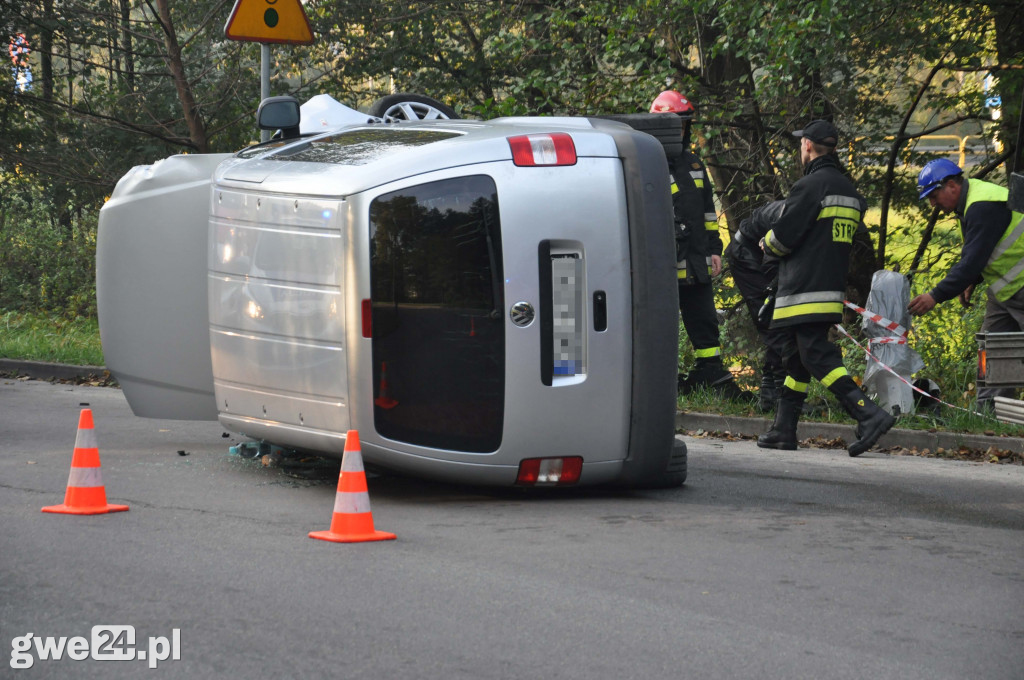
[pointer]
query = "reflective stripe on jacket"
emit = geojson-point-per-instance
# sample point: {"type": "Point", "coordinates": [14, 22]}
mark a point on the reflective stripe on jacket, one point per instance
{"type": "Point", "coordinates": [1004, 271]}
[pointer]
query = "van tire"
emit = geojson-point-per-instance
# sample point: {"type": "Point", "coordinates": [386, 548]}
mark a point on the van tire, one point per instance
{"type": "Point", "coordinates": [667, 128]}
{"type": "Point", "coordinates": [404, 106]}
{"type": "Point", "coordinates": [674, 474]}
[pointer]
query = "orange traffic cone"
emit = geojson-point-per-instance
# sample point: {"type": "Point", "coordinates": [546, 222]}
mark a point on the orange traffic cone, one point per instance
{"type": "Point", "coordinates": [384, 400]}
{"type": "Point", "coordinates": [85, 494]}
{"type": "Point", "coordinates": [352, 521]}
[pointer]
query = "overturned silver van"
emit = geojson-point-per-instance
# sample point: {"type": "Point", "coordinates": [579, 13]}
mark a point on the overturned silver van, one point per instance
{"type": "Point", "coordinates": [486, 302]}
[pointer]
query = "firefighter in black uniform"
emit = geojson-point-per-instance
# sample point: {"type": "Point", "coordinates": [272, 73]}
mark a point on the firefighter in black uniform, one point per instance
{"type": "Point", "coordinates": [812, 242]}
{"type": "Point", "coordinates": [754, 276]}
{"type": "Point", "coordinates": [698, 257]}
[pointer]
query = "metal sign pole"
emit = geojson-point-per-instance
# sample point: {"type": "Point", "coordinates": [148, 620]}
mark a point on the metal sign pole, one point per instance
{"type": "Point", "coordinates": [264, 82]}
{"type": "Point", "coordinates": [253, 21]}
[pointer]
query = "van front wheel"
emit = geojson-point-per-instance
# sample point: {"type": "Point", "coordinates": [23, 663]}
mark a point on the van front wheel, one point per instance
{"type": "Point", "coordinates": [405, 106]}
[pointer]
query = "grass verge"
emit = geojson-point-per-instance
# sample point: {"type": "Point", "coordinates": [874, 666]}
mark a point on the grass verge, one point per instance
{"type": "Point", "coordinates": [825, 409]}
{"type": "Point", "coordinates": [50, 338]}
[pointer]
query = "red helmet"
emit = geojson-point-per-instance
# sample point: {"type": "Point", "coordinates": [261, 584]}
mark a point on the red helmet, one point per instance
{"type": "Point", "coordinates": [671, 101]}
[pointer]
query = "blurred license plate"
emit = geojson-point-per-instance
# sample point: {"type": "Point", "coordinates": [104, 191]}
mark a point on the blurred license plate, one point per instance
{"type": "Point", "coordinates": [567, 314]}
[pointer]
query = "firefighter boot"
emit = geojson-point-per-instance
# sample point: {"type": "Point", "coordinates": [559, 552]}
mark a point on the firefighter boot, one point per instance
{"type": "Point", "coordinates": [872, 421]}
{"type": "Point", "coordinates": [770, 386]}
{"type": "Point", "coordinates": [787, 413]}
{"type": "Point", "coordinates": [726, 387]}
{"type": "Point", "coordinates": [710, 373]}
{"type": "Point", "coordinates": [705, 373]}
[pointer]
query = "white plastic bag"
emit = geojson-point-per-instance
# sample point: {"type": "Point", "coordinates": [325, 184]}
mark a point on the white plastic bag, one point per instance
{"type": "Point", "coordinates": [323, 113]}
{"type": "Point", "coordinates": [889, 296]}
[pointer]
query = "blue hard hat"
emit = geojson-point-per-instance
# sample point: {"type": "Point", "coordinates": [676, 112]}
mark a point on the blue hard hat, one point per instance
{"type": "Point", "coordinates": [935, 173]}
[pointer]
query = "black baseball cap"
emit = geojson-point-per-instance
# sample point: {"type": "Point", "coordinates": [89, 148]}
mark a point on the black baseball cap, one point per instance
{"type": "Point", "coordinates": [820, 132]}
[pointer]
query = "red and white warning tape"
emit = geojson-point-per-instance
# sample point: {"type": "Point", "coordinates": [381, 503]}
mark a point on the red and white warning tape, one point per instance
{"type": "Point", "coordinates": [902, 379]}
{"type": "Point", "coordinates": [880, 320]}
{"type": "Point", "coordinates": [887, 341]}
{"type": "Point", "coordinates": [901, 333]}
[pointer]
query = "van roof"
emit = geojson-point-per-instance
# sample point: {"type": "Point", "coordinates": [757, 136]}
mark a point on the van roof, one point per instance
{"type": "Point", "coordinates": [354, 158]}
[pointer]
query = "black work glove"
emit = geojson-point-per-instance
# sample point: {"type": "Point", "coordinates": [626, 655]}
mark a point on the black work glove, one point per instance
{"type": "Point", "coordinates": [764, 315]}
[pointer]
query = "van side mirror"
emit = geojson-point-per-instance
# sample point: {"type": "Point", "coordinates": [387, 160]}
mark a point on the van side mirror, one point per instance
{"type": "Point", "coordinates": [279, 113]}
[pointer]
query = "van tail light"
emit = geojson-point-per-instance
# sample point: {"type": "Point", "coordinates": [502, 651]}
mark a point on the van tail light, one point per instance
{"type": "Point", "coordinates": [553, 148]}
{"type": "Point", "coordinates": [550, 471]}
{"type": "Point", "coordinates": [367, 310]}
{"type": "Point", "coordinates": [982, 365]}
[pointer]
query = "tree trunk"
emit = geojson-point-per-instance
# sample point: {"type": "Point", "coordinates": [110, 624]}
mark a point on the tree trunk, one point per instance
{"type": "Point", "coordinates": [71, 71]}
{"type": "Point", "coordinates": [741, 173]}
{"type": "Point", "coordinates": [126, 45]}
{"type": "Point", "coordinates": [196, 126]}
{"type": "Point", "coordinates": [46, 49]}
{"type": "Point", "coordinates": [1009, 20]}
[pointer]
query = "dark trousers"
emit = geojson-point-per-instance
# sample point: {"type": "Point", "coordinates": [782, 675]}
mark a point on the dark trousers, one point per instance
{"type": "Point", "coordinates": [697, 307]}
{"type": "Point", "coordinates": [752, 278]}
{"type": "Point", "coordinates": [807, 352]}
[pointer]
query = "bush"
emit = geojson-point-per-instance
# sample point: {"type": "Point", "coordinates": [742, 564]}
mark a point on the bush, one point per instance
{"type": "Point", "coordinates": [47, 253]}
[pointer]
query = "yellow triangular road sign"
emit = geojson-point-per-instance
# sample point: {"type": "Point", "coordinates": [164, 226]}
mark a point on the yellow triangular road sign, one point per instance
{"type": "Point", "coordinates": [269, 21]}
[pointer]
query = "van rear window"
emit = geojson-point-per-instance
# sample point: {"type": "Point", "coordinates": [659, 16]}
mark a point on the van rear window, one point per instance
{"type": "Point", "coordinates": [360, 146]}
{"type": "Point", "coordinates": [437, 287]}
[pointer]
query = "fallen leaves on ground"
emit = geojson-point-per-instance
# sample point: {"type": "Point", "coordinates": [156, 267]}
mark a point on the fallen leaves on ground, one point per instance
{"type": "Point", "coordinates": [989, 455]}
{"type": "Point", "coordinates": [824, 442]}
{"type": "Point", "coordinates": [716, 434]}
{"type": "Point", "coordinates": [104, 379]}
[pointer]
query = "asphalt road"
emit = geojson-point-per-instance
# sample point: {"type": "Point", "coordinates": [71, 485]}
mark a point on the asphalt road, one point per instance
{"type": "Point", "coordinates": [805, 564]}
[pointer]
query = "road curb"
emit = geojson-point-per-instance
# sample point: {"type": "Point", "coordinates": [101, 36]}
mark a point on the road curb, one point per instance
{"type": "Point", "coordinates": [40, 370]}
{"type": "Point", "coordinates": [919, 439]}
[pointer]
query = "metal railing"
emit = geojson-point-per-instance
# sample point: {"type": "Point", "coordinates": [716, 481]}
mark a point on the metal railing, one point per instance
{"type": "Point", "coordinates": [956, 147]}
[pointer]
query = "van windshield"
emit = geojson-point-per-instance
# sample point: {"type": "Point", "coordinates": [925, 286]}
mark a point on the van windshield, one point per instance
{"type": "Point", "coordinates": [360, 146]}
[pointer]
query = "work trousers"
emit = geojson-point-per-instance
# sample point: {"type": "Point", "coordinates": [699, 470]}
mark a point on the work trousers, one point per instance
{"type": "Point", "coordinates": [697, 308]}
{"type": "Point", "coordinates": [807, 353]}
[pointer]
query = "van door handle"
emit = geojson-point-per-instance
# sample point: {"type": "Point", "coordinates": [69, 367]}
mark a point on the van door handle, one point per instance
{"type": "Point", "coordinates": [600, 311]}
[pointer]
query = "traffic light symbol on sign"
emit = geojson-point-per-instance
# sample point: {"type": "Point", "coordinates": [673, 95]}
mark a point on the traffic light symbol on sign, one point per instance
{"type": "Point", "coordinates": [269, 21]}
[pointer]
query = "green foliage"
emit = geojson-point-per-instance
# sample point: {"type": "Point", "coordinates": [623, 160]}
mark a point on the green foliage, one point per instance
{"type": "Point", "coordinates": [46, 266]}
{"type": "Point", "coordinates": [106, 96]}
{"type": "Point", "coordinates": [945, 340]}
{"type": "Point", "coordinates": [884, 71]}
{"type": "Point", "coordinates": [51, 338]}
